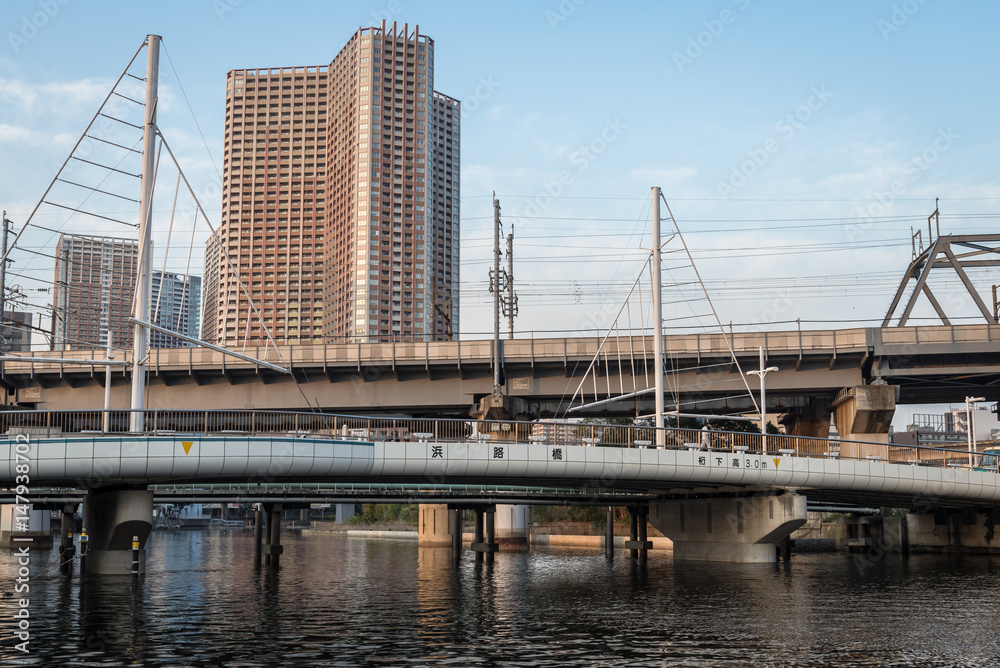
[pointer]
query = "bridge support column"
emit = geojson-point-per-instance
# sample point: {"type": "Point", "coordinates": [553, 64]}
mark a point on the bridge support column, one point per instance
{"type": "Point", "coordinates": [864, 413]}
{"type": "Point", "coordinates": [456, 532]}
{"type": "Point", "coordinates": [111, 517]}
{"type": "Point", "coordinates": [732, 529]}
{"type": "Point", "coordinates": [812, 421]}
{"type": "Point", "coordinates": [485, 540]}
{"type": "Point", "coordinates": [67, 550]}
{"type": "Point", "coordinates": [434, 525]}
{"type": "Point", "coordinates": [609, 534]}
{"type": "Point", "coordinates": [637, 543]}
{"type": "Point", "coordinates": [513, 527]}
{"type": "Point", "coordinates": [258, 534]}
{"type": "Point", "coordinates": [273, 549]}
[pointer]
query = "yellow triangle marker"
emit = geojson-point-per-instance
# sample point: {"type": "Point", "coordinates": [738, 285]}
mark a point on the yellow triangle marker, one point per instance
{"type": "Point", "coordinates": [776, 462]}
{"type": "Point", "coordinates": [187, 446]}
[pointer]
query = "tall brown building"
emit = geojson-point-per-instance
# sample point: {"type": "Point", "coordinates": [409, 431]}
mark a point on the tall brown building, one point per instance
{"type": "Point", "coordinates": [94, 284]}
{"type": "Point", "coordinates": [340, 200]}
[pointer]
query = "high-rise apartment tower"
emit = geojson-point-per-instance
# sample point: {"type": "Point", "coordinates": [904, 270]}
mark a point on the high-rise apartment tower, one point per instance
{"type": "Point", "coordinates": [175, 305]}
{"type": "Point", "coordinates": [340, 200]}
{"type": "Point", "coordinates": [94, 284]}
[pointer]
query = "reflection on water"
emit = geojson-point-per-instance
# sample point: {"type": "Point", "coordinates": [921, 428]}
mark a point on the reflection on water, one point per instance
{"type": "Point", "coordinates": [347, 602]}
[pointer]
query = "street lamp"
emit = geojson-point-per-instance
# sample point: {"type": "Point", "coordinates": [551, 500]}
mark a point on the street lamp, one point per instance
{"type": "Point", "coordinates": [763, 399]}
{"type": "Point", "coordinates": [970, 422]}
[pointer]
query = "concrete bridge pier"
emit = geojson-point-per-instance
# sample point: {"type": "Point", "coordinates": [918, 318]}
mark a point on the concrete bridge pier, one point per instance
{"type": "Point", "coordinates": [435, 525]}
{"type": "Point", "coordinates": [609, 534]}
{"type": "Point", "coordinates": [864, 413]}
{"type": "Point", "coordinates": [273, 548]}
{"type": "Point", "coordinates": [67, 550]}
{"type": "Point", "coordinates": [637, 543]}
{"type": "Point", "coordinates": [258, 534]}
{"type": "Point", "coordinates": [737, 529]}
{"type": "Point", "coordinates": [484, 542]}
{"type": "Point", "coordinates": [513, 527]}
{"type": "Point", "coordinates": [111, 517]}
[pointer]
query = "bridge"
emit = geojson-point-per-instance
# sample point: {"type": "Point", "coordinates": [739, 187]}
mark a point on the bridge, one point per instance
{"type": "Point", "coordinates": [441, 379]}
{"type": "Point", "coordinates": [757, 490]}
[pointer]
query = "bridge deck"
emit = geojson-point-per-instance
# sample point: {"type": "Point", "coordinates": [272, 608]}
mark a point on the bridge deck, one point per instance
{"type": "Point", "coordinates": [578, 456]}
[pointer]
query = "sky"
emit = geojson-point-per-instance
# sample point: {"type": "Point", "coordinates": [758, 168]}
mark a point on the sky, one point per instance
{"type": "Point", "coordinates": [799, 145]}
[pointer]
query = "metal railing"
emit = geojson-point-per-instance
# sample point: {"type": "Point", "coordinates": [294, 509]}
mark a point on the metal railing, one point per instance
{"type": "Point", "coordinates": [237, 423]}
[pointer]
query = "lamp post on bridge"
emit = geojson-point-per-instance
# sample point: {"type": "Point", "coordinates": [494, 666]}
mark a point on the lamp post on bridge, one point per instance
{"type": "Point", "coordinates": [970, 423]}
{"type": "Point", "coordinates": [763, 400]}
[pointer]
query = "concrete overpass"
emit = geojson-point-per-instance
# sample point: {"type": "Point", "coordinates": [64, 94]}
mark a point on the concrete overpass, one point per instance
{"type": "Point", "coordinates": [927, 364]}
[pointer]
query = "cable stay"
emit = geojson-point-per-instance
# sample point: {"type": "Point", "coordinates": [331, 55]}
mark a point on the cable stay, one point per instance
{"type": "Point", "coordinates": [622, 351]}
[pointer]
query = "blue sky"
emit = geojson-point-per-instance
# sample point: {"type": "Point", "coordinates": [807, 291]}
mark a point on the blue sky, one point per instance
{"type": "Point", "coordinates": [777, 131]}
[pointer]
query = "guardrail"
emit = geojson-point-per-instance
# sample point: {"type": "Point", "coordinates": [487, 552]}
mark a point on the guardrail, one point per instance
{"type": "Point", "coordinates": [539, 434]}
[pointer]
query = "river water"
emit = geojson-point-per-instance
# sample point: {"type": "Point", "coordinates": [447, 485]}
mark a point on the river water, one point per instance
{"type": "Point", "coordinates": [339, 601]}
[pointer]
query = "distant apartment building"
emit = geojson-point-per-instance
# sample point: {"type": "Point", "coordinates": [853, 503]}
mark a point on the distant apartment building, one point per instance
{"type": "Point", "coordinates": [15, 336]}
{"type": "Point", "coordinates": [340, 200]}
{"type": "Point", "coordinates": [94, 285]}
{"type": "Point", "coordinates": [175, 304]}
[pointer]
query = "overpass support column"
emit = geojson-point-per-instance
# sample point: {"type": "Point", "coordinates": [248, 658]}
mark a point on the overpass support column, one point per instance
{"type": "Point", "coordinates": [637, 544]}
{"type": "Point", "coordinates": [732, 529]}
{"type": "Point", "coordinates": [111, 517]}
{"type": "Point", "coordinates": [513, 527]}
{"type": "Point", "coordinates": [484, 541]}
{"type": "Point", "coordinates": [434, 525]}
{"type": "Point", "coordinates": [864, 413]}
{"type": "Point", "coordinates": [67, 550]}
{"type": "Point", "coordinates": [258, 533]}
{"type": "Point", "coordinates": [609, 534]}
{"type": "Point", "coordinates": [273, 549]}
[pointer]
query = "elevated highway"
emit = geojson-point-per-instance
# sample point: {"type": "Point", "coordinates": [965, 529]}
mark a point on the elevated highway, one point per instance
{"type": "Point", "coordinates": [927, 364]}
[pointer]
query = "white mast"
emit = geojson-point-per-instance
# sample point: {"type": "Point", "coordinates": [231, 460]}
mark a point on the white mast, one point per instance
{"type": "Point", "coordinates": [142, 286]}
{"type": "Point", "coordinates": [657, 321]}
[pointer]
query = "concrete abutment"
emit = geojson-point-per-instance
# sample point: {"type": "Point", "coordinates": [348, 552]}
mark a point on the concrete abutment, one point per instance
{"type": "Point", "coordinates": [112, 516]}
{"type": "Point", "coordinates": [731, 529]}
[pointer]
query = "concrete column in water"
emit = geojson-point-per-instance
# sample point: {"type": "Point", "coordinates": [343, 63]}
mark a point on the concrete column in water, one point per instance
{"type": "Point", "coordinates": [67, 550]}
{"type": "Point", "coordinates": [729, 529]}
{"type": "Point", "coordinates": [434, 525]}
{"type": "Point", "coordinates": [274, 547]}
{"type": "Point", "coordinates": [483, 544]}
{"type": "Point", "coordinates": [112, 516]}
{"type": "Point", "coordinates": [637, 544]}
{"type": "Point", "coordinates": [258, 532]}
{"type": "Point", "coordinates": [609, 534]}
{"type": "Point", "coordinates": [456, 532]}
{"type": "Point", "coordinates": [513, 525]}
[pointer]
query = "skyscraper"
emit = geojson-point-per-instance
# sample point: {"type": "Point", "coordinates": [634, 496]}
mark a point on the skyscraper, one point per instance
{"type": "Point", "coordinates": [340, 200]}
{"type": "Point", "coordinates": [176, 305]}
{"type": "Point", "coordinates": [94, 285]}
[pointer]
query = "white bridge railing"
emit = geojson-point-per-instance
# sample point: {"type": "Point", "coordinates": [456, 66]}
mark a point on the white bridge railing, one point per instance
{"type": "Point", "coordinates": [238, 423]}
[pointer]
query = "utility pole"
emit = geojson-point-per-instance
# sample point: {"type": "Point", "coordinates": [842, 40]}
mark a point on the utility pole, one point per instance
{"type": "Point", "coordinates": [996, 306]}
{"type": "Point", "coordinates": [510, 301]}
{"type": "Point", "coordinates": [3, 283]}
{"type": "Point", "coordinates": [495, 289]}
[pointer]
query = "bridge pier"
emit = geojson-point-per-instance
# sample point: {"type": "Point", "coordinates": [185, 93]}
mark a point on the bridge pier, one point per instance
{"type": "Point", "coordinates": [637, 543]}
{"type": "Point", "coordinates": [484, 542]}
{"type": "Point", "coordinates": [111, 517]}
{"type": "Point", "coordinates": [731, 529]}
{"type": "Point", "coordinates": [864, 413]}
{"type": "Point", "coordinates": [67, 550]}
{"type": "Point", "coordinates": [258, 531]}
{"type": "Point", "coordinates": [609, 534]}
{"type": "Point", "coordinates": [273, 548]}
{"type": "Point", "coordinates": [512, 525]}
{"type": "Point", "coordinates": [435, 525]}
